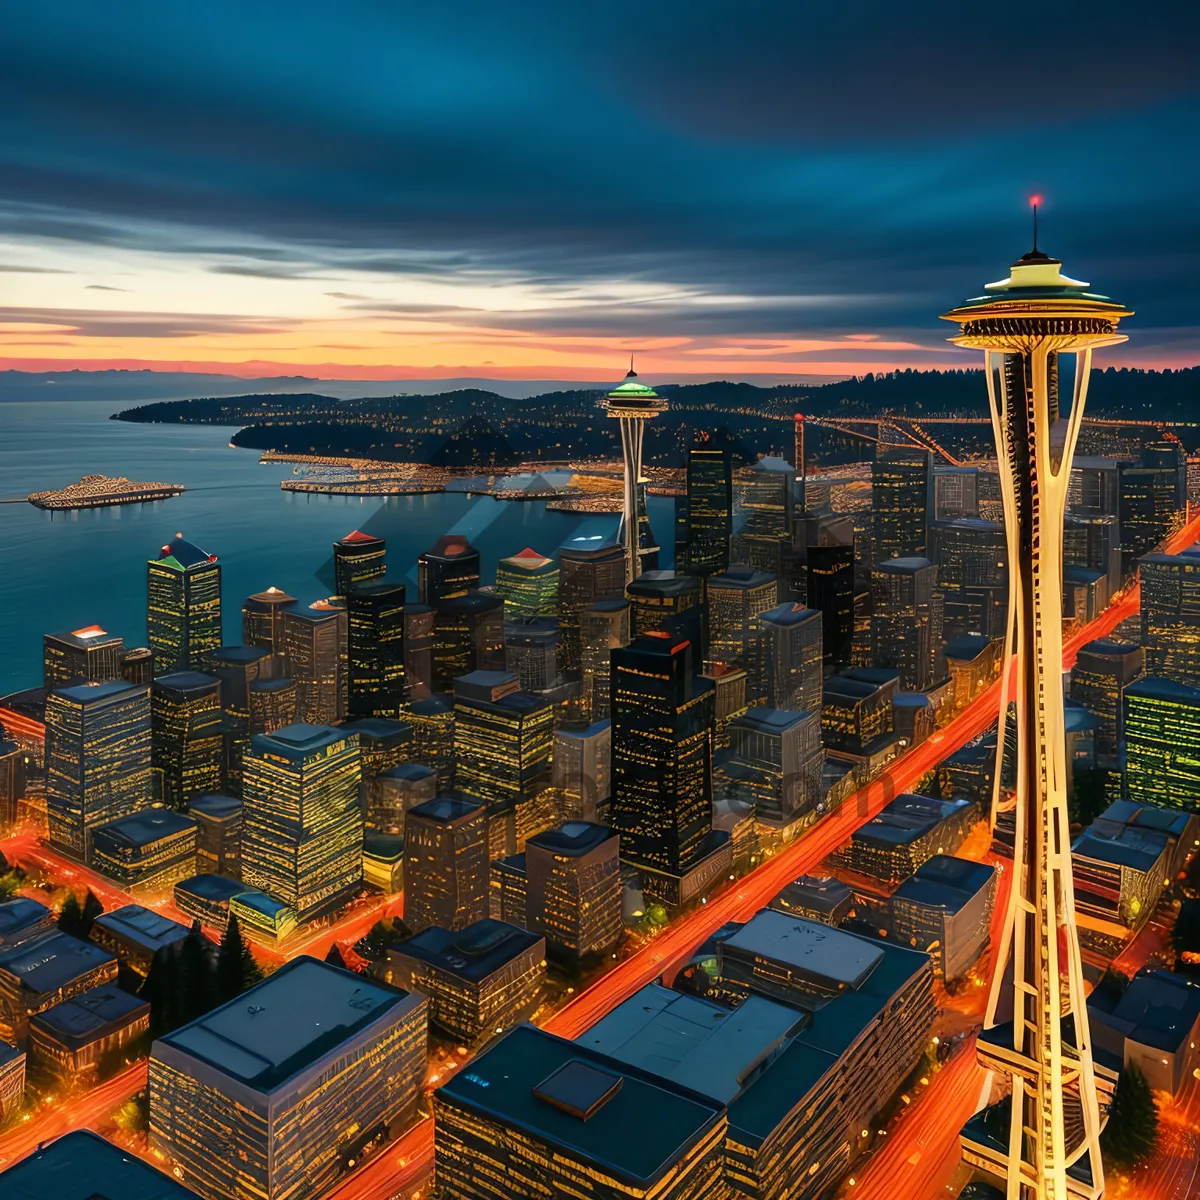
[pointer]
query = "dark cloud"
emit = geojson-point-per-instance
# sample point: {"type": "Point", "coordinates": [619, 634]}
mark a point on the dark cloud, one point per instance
{"type": "Point", "coordinates": [16, 269]}
{"type": "Point", "coordinates": [265, 272]}
{"type": "Point", "coordinates": [103, 324]}
{"type": "Point", "coordinates": [103, 287]}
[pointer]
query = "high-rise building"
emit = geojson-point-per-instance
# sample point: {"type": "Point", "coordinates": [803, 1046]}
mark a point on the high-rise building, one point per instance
{"type": "Point", "coordinates": [238, 668]}
{"type": "Point", "coordinates": [300, 1073]}
{"type": "Point", "coordinates": [312, 647]}
{"type": "Point", "coordinates": [137, 666]}
{"type": "Point", "coordinates": [375, 627]}
{"type": "Point", "coordinates": [573, 889]}
{"type": "Point", "coordinates": [432, 724]}
{"type": "Point", "coordinates": [419, 638]}
{"type": "Point", "coordinates": [829, 575]}
{"type": "Point", "coordinates": [1162, 743]}
{"type": "Point", "coordinates": [527, 582]}
{"type": "Point", "coordinates": [955, 493]}
{"type": "Point", "coordinates": [186, 737]}
{"type": "Point", "coordinates": [765, 503]}
{"type": "Point", "coordinates": [1094, 490]}
{"type": "Point", "coordinates": [1171, 615]}
{"type": "Point", "coordinates": [302, 827]}
{"type": "Point", "coordinates": [906, 626]}
{"type": "Point", "coordinates": [1093, 543]}
{"type": "Point", "coordinates": [262, 620]}
{"type": "Point", "coordinates": [736, 600]}
{"type": "Point", "coordinates": [445, 864]}
{"type": "Point", "coordinates": [358, 558]}
{"type": "Point", "coordinates": [590, 568]}
{"type": "Point", "coordinates": [273, 704]}
{"type": "Point", "coordinates": [776, 763]}
{"type": "Point", "coordinates": [218, 834]}
{"type": "Point", "coordinates": [900, 486]}
{"type": "Point", "coordinates": [789, 665]}
{"type": "Point", "coordinates": [87, 655]}
{"type": "Point", "coordinates": [731, 690]}
{"type": "Point", "coordinates": [1153, 495]}
{"type": "Point", "coordinates": [394, 791]}
{"type": "Point", "coordinates": [1102, 672]}
{"type": "Point", "coordinates": [1030, 327]}
{"type": "Point", "coordinates": [582, 769]}
{"type": "Point", "coordinates": [664, 602]}
{"type": "Point", "coordinates": [468, 636]}
{"type": "Point", "coordinates": [704, 514]}
{"type": "Point", "coordinates": [450, 567]}
{"type": "Point", "coordinates": [531, 652]}
{"type": "Point", "coordinates": [632, 403]}
{"type": "Point", "coordinates": [972, 575]}
{"type": "Point", "coordinates": [12, 779]}
{"type": "Point", "coordinates": [603, 626]}
{"type": "Point", "coordinates": [150, 850]}
{"type": "Point", "coordinates": [97, 760]}
{"type": "Point", "coordinates": [183, 606]}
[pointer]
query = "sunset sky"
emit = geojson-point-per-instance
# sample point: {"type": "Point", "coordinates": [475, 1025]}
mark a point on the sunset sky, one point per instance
{"type": "Point", "coordinates": [532, 190]}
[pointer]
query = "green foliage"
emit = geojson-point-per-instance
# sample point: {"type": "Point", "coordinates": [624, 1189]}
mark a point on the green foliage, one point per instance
{"type": "Point", "coordinates": [10, 884]}
{"type": "Point", "coordinates": [1088, 797]}
{"type": "Point", "coordinates": [1132, 1127]}
{"type": "Point", "coordinates": [929, 785]}
{"type": "Point", "coordinates": [388, 931]}
{"type": "Point", "coordinates": [70, 916]}
{"type": "Point", "coordinates": [236, 969]}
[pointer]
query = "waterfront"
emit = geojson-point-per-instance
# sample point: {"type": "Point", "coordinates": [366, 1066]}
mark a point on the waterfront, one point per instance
{"type": "Point", "coordinates": [61, 570]}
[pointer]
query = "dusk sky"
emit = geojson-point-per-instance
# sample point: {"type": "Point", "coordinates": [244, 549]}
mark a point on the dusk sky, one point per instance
{"type": "Point", "coordinates": [738, 190]}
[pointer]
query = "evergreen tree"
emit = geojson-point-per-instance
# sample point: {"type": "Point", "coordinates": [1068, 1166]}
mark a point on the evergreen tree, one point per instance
{"type": "Point", "coordinates": [1113, 984]}
{"type": "Point", "coordinates": [335, 958]}
{"type": "Point", "coordinates": [70, 916]}
{"type": "Point", "coordinates": [195, 985]}
{"type": "Point", "coordinates": [161, 991]}
{"type": "Point", "coordinates": [236, 968]}
{"type": "Point", "coordinates": [1185, 937]}
{"type": "Point", "coordinates": [92, 908]}
{"type": "Point", "coordinates": [1132, 1127]}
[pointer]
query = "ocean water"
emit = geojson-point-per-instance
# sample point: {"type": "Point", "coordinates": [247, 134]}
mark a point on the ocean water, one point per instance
{"type": "Point", "coordinates": [63, 570]}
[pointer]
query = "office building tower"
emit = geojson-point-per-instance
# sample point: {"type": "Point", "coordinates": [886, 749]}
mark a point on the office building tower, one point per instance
{"type": "Point", "coordinates": [856, 710]}
{"type": "Point", "coordinates": [137, 666]}
{"type": "Point", "coordinates": [1153, 496]}
{"type": "Point", "coordinates": [68, 1042]}
{"type": "Point", "coordinates": [1029, 326]}
{"type": "Point", "coordinates": [731, 690]}
{"type": "Point", "coordinates": [527, 582]}
{"type": "Point", "coordinates": [302, 826]}
{"type": "Point", "coordinates": [704, 514]}
{"type": "Point", "coordinates": [137, 936]}
{"type": "Point", "coordinates": [765, 505]}
{"type": "Point", "coordinates": [218, 834]}
{"type": "Point", "coordinates": [662, 716]}
{"type": "Point", "coordinates": [632, 403]}
{"type": "Point", "coordinates": [590, 568]}
{"type": "Point", "coordinates": [97, 760]}
{"type": "Point", "coordinates": [238, 668]}
{"type": "Point", "coordinates": [829, 576]}
{"type": "Point", "coordinates": [262, 620]}
{"type": "Point", "coordinates": [900, 486]}
{"type": "Point", "coordinates": [775, 766]}
{"type": "Point", "coordinates": [449, 568]}
{"type": "Point", "coordinates": [183, 606]}
{"type": "Point", "coordinates": [531, 652]}
{"type": "Point", "coordinates": [87, 655]}
{"type": "Point", "coordinates": [955, 493]}
{"type": "Point", "coordinates": [12, 780]}
{"type": "Point", "coordinates": [790, 661]}
{"type": "Point", "coordinates": [603, 626]}
{"type": "Point", "coordinates": [1162, 743]}
{"type": "Point", "coordinates": [375, 627]}
{"type": "Point", "coordinates": [432, 723]}
{"type": "Point", "coordinates": [972, 660]}
{"type": "Point", "coordinates": [300, 1073]}
{"type": "Point", "coordinates": [358, 558]}
{"type": "Point", "coordinates": [186, 739]}
{"type": "Point", "coordinates": [149, 851]}
{"type": "Point", "coordinates": [480, 980]}
{"type": "Point", "coordinates": [312, 647]}
{"type": "Point", "coordinates": [906, 626]}
{"type": "Point", "coordinates": [1171, 615]}
{"type": "Point", "coordinates": [573, 889]}
{"type": "Point", "coordinates": [419, 637]}
{"type": "Point", "coordinates": [445, 864]}
{"type": "Point", "coordinates": [1094, 490]}
{"type": "Point", "coordinates": [396, 790]}
{"type": "Point", "coordinates": [273, 704]}
{"type": "Point", "coordinates": [736, 600]}
{"type": "Point", "coordinates": [582, 767]}
{"type": "Point", "coordinates": [468, 636]}
{"type": "Point", "coordinates": [1102, 672]}
{"type": "Point", "coordinates": [971, 557]}
{"type": "Point", "coordinates": [664, 602]}
{"type": "Point", "coordinates": [1093, 543]}
{"type": "Point", "coordinates": [12, 1095]}
{"type": "Point", "coordinates": [503, 740]}
{"type": "Point", "coordinates": [538, 1113]}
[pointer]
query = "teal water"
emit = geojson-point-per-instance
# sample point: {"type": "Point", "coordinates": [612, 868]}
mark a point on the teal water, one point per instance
{"type": "Point", "coordinates": [63, 570]}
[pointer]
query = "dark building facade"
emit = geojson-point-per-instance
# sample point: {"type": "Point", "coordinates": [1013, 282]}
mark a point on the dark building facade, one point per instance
{"type": "Point", "coordinates": [704, 514]}
{"type": "Point", "coordinates": [183, 606]}
{"type": "Point", "coordinates": [375, 625]}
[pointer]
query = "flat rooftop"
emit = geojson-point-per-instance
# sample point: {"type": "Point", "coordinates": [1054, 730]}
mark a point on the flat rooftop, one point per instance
{"type": "Point", "coordinates": [186, 681]}
{"type": "Point", "coordinates": [379, 729]}
{"type": "Point", "coordinates": [820, 951]}
{"type": "Point", "coordinates": [945, 882]}
{"type": "Point", "coordinates": [93, 693]}
{"type": "Point", "coordinates": [572, 838]}
{"type": "Point", "coordinates": [444, 809]}
{"type": "Point", "coordinates": [142, 925]}
{"type": "Point", "coordinates": [143, 828]}
{"type": "Point", "coordinates": [296, 741]}
{"type": "Point", "coordinates": [20, 913]}
{"type": "Point", "coordinates": [83, 1018]}
{"type": "Point", "coordinates": [284, 1025]}
{"type": "Point", "coordinates": [1158, 1009]}
{"type": "Point", "coordinates": [906, 819]}
{"type": "Point", "coordinates": [52, 962]}
{"type": "Point", "coordinates": [473, 953]}
{"type": "Point", "coordinates": [212, 888]}
{"type": "Point", "coordinates": [215, 805]}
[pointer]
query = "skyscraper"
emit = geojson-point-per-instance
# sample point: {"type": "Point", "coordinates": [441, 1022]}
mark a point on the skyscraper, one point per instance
{"type": "Point", "coordinates": [590, 568]}
{"type": "Point", "coordinates": [450, 567]}
{"type": "Point", "coordinates": [445, 864]}
{"type": "Point", "coordinates": [777, 762]}
{"type": "Point", "coordinates": [1102, 672]}
{"type": "Point", "coordinates": [790, 662]}
{"type": "Point", "coordinates": [87, 655]}
{"type": "Point", "coordinates": [375, 629]}
{"type": "Point", "coordinates": [900, 485]}
{"type": "Point", "coordinates": [664, 602]}
{"type": "Point", "coordinates": [1036, 1029]}
{"type": "Point", "coordinates": [736, 601]}
{"type": "Point", "coordinates": [830, 590]}
{"type": "Point", "coordinates": [262, 620]}
{"type": "Point", "coordinates": [955, 493]}
{"type": "Point", "coordinates": [238, 668]}
{"type": "Point", "coordinates": [97, 760]}
{"type": "Point", "coordinates": [765, 502]}
{"type": "Point", "coordinates": [432, 722]}
{"type": "Point", "coordinates": [183, 606]}
{"type": "Point", "coordinates": [1153, 494]}
{"type": "Point", "coordinates": [312, 646]}
{"type": "Point", "coordinates": [1162, 743]}
{"type": "Point", "coordinates": [906, 626]}
{"type": "Point", "coordinates": [704, 514]}
{"type": "Point", "coordinates": [468, 636]}
{"type": "Point", "coordinates": [972, 575]}
{"type": "Point", "coordinates": [186, 737]}
{"type": "Point", "coordinates": [358, 558]}
{"type": "Point", "coordinates": [419, 636]}
{"type": "Point", "coordinates": [528, 584]}
{"type": "Point", "coordinates": [1171, 615]}
{"type": "Point", "coordinates": [302, 826]}
{"type": "Point", "coordinates": [531, 652]}
{"type": "Point", "coordinates": [603, 627]}
{"type": "Point", "coordinates": [1093, 543]}
{"type": "Point", "coordinates": [633, 404]}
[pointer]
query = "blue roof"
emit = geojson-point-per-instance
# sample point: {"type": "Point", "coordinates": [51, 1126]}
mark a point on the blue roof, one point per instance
{"type": "Point", "coordinates": [212, 888]}
{"type": "Point", "coordinates": [1158, 1009]}
{"type": "Point", "coordinates": [946, 882]}
{"type": "Point", "coordinates": [472, 953]}
{"type": "Point", "coordinates": [52, 962]}
{"type": "Point", "coordinates": [89, 693]}
{"type": "Point", "coordinates": [144, 828]}
{"type": "Point", "coordinates": [20, 913]}
{"type": "Point", "coordinates": [906, 819]}
{"type": "Point", "coordinates": [968, 647]}
{"type": "Point", "coordinates": [1155, 687]}
{"type": "Point", "coordinates": [142, 925]}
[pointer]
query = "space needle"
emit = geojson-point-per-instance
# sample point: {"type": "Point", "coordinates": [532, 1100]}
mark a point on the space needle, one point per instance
{"type": "Point", "coordinates": [1037, 329]}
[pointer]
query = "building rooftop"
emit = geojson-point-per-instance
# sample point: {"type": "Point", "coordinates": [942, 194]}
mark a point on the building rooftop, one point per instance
{"type": "Point", "coordinates": [385, 847]}
{"type": "Point", "coordinates": [72, 1166]}
{"type": "Point", "coordinates": [439, 704]}
{"type": "Point", "coordinates": [969, 647]}
{"type": "Point", "coordinates": [1155, 687]}
{"type": "Point", "coordinates": [589, 545]}
{"type": "Point", "coordinates": [89, 635]}
{"type": "Point", "coordinates": [449, 545]}
{"type": "Point", "coordinates": [472, 953]}
{"type": "Point", "coordinates": [1170, 821]}
{"type": "Point", "coordinates": [212, 888]}
{"type": "Point", "coordinates": [906, 819]}
{"type": "Point", "coordinates": [297, 741]}
{"type": "Point", "coordinates": [260, 902]}
{"type": "Point", "coordinates": [52, 962]}
{"type": "Point", "coordinates": [819, 893]}
{"type": "Point", "coordinates": [527, 560]}
{"type": "Point", "coordinates": [237, 656]}
{"type": "Point", "coordinates": [740, 578]}
{"type": "Point", "coordinates": [774, 721]}
{"type": "Point", "coordinates": [143, 926]}
{"type": "Point", "coordinates": [609, 604]}
{"type": "Point", "coordinates": [444, 809]}
{"type": "Point", "coordinates": [1136, 846]}
{"type": "Point", "coordinates": [286, 1024]}
{"type": "Point", "coordinates": [91, 693]}
{"type": "Point", "coordinates": [268, 600]}
{"type": "Point", "coordinates": [944, 881]}
{"type": "Point", "coordinates": [789, 614]}
{"type": "Point", "coordinates": [186, 681]}
{"type": "Point", "coordinates": [182, 554]}
{"type": "Point", "coordinates": [143, 828]}
{"type": "Point", "coordinates": [841, 959]}
{"type": "Point", "coordinates": [215, 805]}
{"type": "Point", "coordinates": [1107, 648]}
{"type": "Point", "coordinates": [1158, 1009]}
{"type": "Point", "coordinates": [18, 914]}
{"type": "Point", "coordinates": [904, 565]}
{"type": "Point", "coordinates": [378, 729]}
{"type": "Point", "coordinates": [409, 772]}
{"type": "Point", "coordinates": [632, 1124]}
{"type": "Point", "coordinates": [81, 1019]}
{"type": "Point", "coordinates": [357, 538]}
{"type": "Point", "coordinates": [574, 838]}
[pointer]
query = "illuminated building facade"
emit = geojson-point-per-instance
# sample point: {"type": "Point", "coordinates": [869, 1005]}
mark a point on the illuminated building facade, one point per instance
{"type": "Point", "coordinates": [446, 864]}
{"type": "Point", "coordinates": [955, 493]}
{"type": "Point", "coordinates": [776, 763]}
{"type": "Point", "coordinates": [731, 689]}
{"type": "Point", "coordinates": [816, 898]}
{"type": "Point", "coordinates": [1032, 327]}
{"type": "Point", "coordinates": [573, 889]}
{"type": "Point", "coordinates": [68, 1041]}
{"type": "Point", "coordinates": [1171, 615]}
{"type": "Point", "coordinates": [262, 620]}
{"type": "Point", "coordinates": [528, 584]}
{"type": "Point", "coordinates": [87, 655]}
{"type": "Point", "coordinates": [1102, 672]}
{"type": "Point", "coordinates": [137, 935]}
{"type": "Point", "coordinates": [382, 745]}
{"type": "Point", "coordinates": [790, 660]}
{"type": "Point", "coordinates": [375, 630]}
{"type": "Point", "coordinates": [856, 713]}
{"type": "Point", "coordinates": [1093, 543]}
{"type": "Point", "coordinates": [23, 920]}
{"type": "Point", "coordinates": [300, 1073]}
{"type": "Point", "coordinates": [906, 627]}
{"type": "Point", "coordinates": [12, 780]}
{"type": "Point", "coordinates": [206, 898]}
{"type": "Point", "coordinates": [603, 626]}
{"type": "Point", "coordinates": [148, 851]}
{"type": "Point", "coordinates": [829, 577]}
{"type": "Point", "coordinates": [218, 834]}
{"type": "Point", "coordinates": [1162, 743]}
{"type": "Point", "coordinates": [536, 1113]}
{"type": "Point", "coordinates": [238, 668]}
{"type": "Point", "coordinates": [432, 723]}
{"type": "Point", "coordinates": [704, 514]}
{"type": "Point", "coordinates": [37, 975]}
{"type": "Point", "coordinates": [900, 487]}
{"type": "Point", "coordinates": [183, 606]}
{"type": "Point", "coordinates": [186, 738]}
{"type": "Point", "coordinates": [590, 568]}
{"type": "Point", "coordinates": [137, 666]}
{"type": "Point", "coordinates": [272, 704]}
{"type": "Point", "coordinates": [449, 568]}
{"type": "Point", "coordinates": [312, 647]}
{"type": "Point", "coordinates": [1153, 494]}
{"type": "Point", "coordinates": [765, 499]}
{"type": "Point", "coordinates": [419, 636]}
{"type": "Point", "coordinates": [736, 600]}
{"type": "Point", "coordinates": [468, 636]}
{"type": "Point", "coordinates": [531, 652]}
{"type": "Point", "coordinates": [480, 980]}
{"type": "Point", "coordinates": [97, 760]}
{"type": "Point", "coordinates": [664, 602]}
{"type": "Point", "coordinates": [358, 558]}
{"type": "Point", "coordinates": [971, 558]}
{"type": "Point", "coordinates": [972, 660]}
{"type": "Point", "coordinates": [582, 769]}
{"type": "Point", "coordinates": [12, 1085]}
{"type": "Point", "coordinates": [302, 825]}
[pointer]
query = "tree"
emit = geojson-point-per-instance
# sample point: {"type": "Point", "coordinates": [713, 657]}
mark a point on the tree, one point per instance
{"type": "Point", "coordinates": [92, 908]}
{"type": "Point", "coordinates": [1113, 984]}
{"type": "Point", "coordinates": [387, 931]}
{"type": "Point", "coordinates": [194, 977]}
{"type": "Point", "coordinates": [70, 916]}
{"type": "Point", "coordinates": [1088, 797]}
{"type": "Point", "coordinates": [1185, 937]}
{"type": "Point", "coordinates": [236, 968]}
{"type": "Point", "coordinates": [1132, 1127]}
{"type": "Point", "coordinates": [335, 957]}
